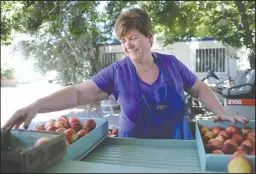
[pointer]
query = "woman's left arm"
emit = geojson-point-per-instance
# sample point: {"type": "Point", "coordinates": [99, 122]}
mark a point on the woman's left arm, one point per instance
{"type": "Point", "coordinates": [206, 96]}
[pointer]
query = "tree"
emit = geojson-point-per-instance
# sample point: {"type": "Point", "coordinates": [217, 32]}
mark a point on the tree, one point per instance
{"type": "Point", "coordinates": [10, 14]}
{"type": "Point", "coordinates": [230, 22]}
{"type": "Point", "coordinates": [66, 33]}
{"type": "Point", "coordinates": [65, 37]}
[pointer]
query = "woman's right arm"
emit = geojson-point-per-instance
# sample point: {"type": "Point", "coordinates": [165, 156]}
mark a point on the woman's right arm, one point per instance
{"type": "Point", "coordinates": [80, 94]}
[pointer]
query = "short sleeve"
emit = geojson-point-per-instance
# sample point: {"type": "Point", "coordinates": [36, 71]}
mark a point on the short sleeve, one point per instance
{"type": "Point", "coordinates": [105, 79]}
{"type": "Point", "coordinates": [188, 77]}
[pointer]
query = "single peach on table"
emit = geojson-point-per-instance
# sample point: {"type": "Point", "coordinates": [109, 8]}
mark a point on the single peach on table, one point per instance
{"type": "Point", "coordinates": [240, 164]}
{"type": "Point", "coordinates": [41, 141]}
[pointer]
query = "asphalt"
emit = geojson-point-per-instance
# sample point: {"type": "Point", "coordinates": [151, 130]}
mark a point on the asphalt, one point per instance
{"type": "Point", "coordinates": [14, 98]}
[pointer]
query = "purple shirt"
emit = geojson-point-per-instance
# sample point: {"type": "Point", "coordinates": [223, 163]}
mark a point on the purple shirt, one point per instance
{"type": "Point", "coordinates": [118, 79]}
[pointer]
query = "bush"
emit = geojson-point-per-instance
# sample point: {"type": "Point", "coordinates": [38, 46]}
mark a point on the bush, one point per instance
{"type": "Point", "coordinates": [7, 74]}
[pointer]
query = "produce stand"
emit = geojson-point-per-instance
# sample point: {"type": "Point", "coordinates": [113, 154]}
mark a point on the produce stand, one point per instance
{"type": "Point", "coordinates": [98, 153]}
{"type": "Point", "coordinates": [122, 155]}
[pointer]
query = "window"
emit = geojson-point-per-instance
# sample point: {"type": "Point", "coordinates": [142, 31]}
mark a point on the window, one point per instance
{"type": "Point", "coordinates": [210, 59]}
{"type": "Point", "coordinates": [109, 58]}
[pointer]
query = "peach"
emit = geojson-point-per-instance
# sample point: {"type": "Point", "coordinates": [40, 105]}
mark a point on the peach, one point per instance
{"type": "Point", "coordinates": [58, 124]}
{"type": "Point", "coordinates": [71, 135]}
{"type": "Point", "coordinates": [217, 152]}
{"type": "Point", "coordinates": [240, 164]}
{"type": "Point", "coordinates": [62, 119]}
{"type": "Point", "coordinates": [205, 140]}
{"type": "Point", "coordinates": [90, 124]}
{"type": "Point", "coordinates": [217, 129]}
{"type": "Point", "coordinates": [49, 123]}
{"type": "Point", "coordinates": [252, 152]}
{"type": "Point", "coordinates": [251, 134]}
{"type": "Point", "coordinates": [115, 131]}
{"type": "Point", "coordinates": [236, 137]}
{"type": "Point", "coordinates": [82, 132]}
{"type": "Point", "coordinates": [209, 148]}
{"type": "Point", "coordinates": [38, 128]}
{"type": "Point", "coordinates": [209, 134]}
{"type": "Point", "coordinates": [228, 148]}
{"type": "Point", "coordinates": [65, 125]}
{"type": "Point", "coordinates": [67, 143]}
{"type": "Point", "coordinates": [65, 118]}
{"type": "Point", "coordinates": [221, 138]}
{"type": "Point", "coordinates": [52, 120]}
{"type": "Point", "coordinates": [76, 126]}
{"type": "Point", "coordinates": [109, 133]}
{"type": "Point", "coordinates": [203, 129]}
{"type": "Point", "coordinates": [73, 120]}
{"type": "Point", "coordinates": [41, 140]}
{"type": "Point", "coordinates": [239, 153]}
{"type": "Point", "coordinates": [216, 144]}
{"type": "Point", "coordinates": [51, 128]}
{"type": "Point", "coordinates": [224, 134]}
{"type": "Point", "coordinates": [64, 122]}
{"type": "Point", "coordinates": [244, 148]}
{"type": "Point", "coordinates": [248, 143]}
{"type": "Point", "coordinates": [245, 130]}
{"type": "Point", "coordinates": [231, 142]}
{"type": "Point", "coordinates": [231, 129]}
{"type": "Point", "coordinates": [253, 143]}
{"type": "Point", "coordinates": [62, 129]}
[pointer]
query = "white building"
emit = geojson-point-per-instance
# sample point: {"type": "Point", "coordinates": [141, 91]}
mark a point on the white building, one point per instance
{"type": "Point", "coordinates": [195, 54]}
{"type": "Point", "coordinates": [224, 60]}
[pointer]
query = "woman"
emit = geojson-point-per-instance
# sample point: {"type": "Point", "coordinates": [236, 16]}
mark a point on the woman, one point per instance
{"type": "Point", "coordinates": [148, 86]}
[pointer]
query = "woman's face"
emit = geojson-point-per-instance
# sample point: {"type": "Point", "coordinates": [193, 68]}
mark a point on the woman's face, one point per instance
{"type": "Point", "coordinates": [136, 45]}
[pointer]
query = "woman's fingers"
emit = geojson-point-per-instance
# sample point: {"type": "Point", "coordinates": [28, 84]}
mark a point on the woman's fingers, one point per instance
{"type": "Point", "coordinates": [231, 119]}
{"type": "Point", "coordinates": [15, 120]}
{"type": "Point", "coordinates": [241, 119]}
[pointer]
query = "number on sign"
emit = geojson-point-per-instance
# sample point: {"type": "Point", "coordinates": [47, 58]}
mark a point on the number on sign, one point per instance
{"type": "Point", "coordinates": [234, 102]}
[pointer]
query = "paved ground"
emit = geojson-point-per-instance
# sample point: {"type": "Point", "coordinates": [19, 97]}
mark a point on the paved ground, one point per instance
{"type": "Point", "coordinates": [13, 98]}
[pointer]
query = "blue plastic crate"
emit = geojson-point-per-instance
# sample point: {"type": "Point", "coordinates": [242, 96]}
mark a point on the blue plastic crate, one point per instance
{"type": "Point", "coordinates": [82, 146]}
{"type": "Point", "coordinates": [217, 162]}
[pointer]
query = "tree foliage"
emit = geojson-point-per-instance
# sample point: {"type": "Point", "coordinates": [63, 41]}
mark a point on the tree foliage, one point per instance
{"type": "Point", "coordinates": [66, 34]}
{"type": "Point", "coordinates": [230, 22]}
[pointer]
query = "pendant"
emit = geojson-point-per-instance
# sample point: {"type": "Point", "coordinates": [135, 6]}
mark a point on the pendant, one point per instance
{"type": "Point", "coordinates": [161, 107]}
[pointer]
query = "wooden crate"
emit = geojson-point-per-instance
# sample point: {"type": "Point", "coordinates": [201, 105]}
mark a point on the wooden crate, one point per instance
{"type": "Point", "coordinates": [20, 156]}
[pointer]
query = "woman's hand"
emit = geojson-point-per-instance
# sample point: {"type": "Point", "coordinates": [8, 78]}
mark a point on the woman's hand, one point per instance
{"type": "Point", "coordinates": [23, 115]}
{"type": "Point", "coordinates": [233, 119]}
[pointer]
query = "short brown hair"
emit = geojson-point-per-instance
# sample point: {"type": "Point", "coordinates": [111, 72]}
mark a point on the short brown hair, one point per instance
{"type": "Point", "coordinates": [133, 19]}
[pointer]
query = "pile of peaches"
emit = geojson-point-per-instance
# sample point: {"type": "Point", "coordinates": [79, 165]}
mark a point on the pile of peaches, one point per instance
{"type": "Point", "coordinates": [230, 140]}
{"type": "Point", "coordinates": [113, 132]}
{"type": "Point", "coordinates": [73, 127]}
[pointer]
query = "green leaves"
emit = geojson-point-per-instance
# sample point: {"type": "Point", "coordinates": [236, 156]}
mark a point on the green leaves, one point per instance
{"type": "Point", "coordinates": [66, 32]}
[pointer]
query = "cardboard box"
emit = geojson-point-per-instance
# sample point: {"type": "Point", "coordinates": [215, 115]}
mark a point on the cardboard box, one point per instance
{"type": "Point", "coordinates": [217, 162]}
{"type": "Point", "coordinates": [22, 157]}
